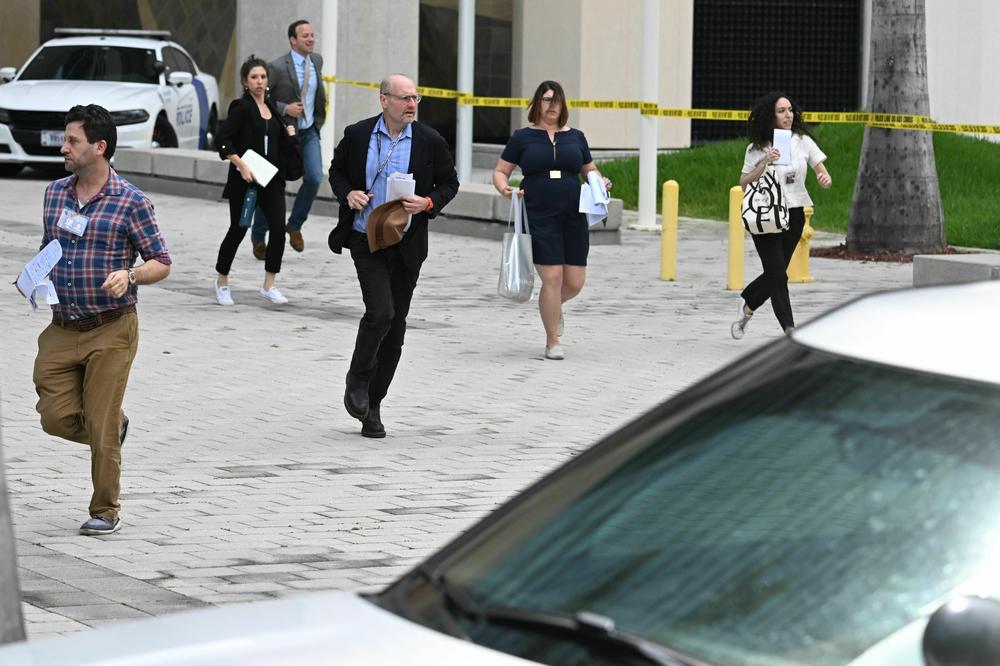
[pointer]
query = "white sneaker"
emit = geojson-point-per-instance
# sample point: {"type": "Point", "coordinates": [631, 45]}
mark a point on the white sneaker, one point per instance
{"type": "Point", "coordinates": [739, 326]}
{"type": "Point", "coordinates": [222, 295]}
{"type": "Point", "coordinates": [554, 353]}
{"type": "Point", "coordinates": [273, 295]}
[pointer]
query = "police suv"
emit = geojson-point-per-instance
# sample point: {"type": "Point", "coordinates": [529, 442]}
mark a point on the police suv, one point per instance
{"type": "Point", "coordinates": [152, 87]}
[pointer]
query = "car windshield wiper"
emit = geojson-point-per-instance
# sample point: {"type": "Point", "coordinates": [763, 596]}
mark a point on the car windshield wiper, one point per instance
{"type": "Point", "coordinates": [584, 626]}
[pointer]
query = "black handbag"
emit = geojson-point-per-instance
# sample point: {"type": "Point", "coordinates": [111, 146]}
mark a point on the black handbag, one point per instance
{"type": "Point", "coordinates": [764, 210]}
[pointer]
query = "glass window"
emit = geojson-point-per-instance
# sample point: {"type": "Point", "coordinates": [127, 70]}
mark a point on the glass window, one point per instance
{"type": "Point", "coordinates": [800, 522]}
{"type": "Point", "coordinates": [92, 63]}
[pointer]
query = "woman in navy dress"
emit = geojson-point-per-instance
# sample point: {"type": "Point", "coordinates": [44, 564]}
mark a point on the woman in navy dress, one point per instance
{"type": "Point", "coordinates": [553, 157]}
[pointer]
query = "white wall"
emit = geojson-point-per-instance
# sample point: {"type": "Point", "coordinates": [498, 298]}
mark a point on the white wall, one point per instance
{"type": "Point", "coordinates": [963, 52]}
{"type": "Point", "coordinates": [594, 50]}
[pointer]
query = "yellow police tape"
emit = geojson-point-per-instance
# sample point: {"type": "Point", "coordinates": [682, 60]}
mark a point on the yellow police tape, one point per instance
{"type": "Point", "coordinates": [879, 120]}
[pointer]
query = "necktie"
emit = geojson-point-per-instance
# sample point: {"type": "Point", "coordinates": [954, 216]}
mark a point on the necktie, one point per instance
{"type": "Point", "coordinates": [305, 80]}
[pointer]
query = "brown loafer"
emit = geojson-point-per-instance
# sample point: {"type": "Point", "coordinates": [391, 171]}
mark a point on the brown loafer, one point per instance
{"type": "Point", "coordinates": [259, 249]}
{"type": "Point", "coordinates": [295, 239]}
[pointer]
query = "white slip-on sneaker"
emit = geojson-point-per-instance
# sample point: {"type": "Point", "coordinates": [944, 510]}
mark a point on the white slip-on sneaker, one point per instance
{"type": "Point", "coordinates": [739, 326]}
{"type": "Point", "coordinates": [222, 295]}
{"type": "Point", "coordinates": [554, 353]}
{"type": "Point", "coordinates": [273, 295]}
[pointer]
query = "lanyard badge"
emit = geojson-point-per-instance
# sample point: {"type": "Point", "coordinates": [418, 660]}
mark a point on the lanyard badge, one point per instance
{"type": "Point", "coordinates": [73, 222]}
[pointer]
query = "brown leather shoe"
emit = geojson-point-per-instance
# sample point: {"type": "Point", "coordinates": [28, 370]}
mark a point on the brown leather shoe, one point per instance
{"type": "Point", "coordinates": [259, 249]}
{"type": "Point", "coordinates": [295, 239]}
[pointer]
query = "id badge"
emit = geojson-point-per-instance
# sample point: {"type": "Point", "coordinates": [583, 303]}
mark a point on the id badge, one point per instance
{"type": "Point", "coordinates": [789, 178]}
{"type": "Point", "coordinates": [555, 173]}
{"type": "Point", "coordinates": [73, 222]}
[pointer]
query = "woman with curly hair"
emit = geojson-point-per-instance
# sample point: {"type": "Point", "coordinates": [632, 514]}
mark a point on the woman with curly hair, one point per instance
{"type": "Point", "coordinates": [770, 112]}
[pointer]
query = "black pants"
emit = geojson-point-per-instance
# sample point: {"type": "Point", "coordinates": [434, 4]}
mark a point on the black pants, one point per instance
{"type": "Point", "coordinates": [271, 200]}
{"type": "Point", "coordinates": [387, 286]}
{"type": "Point", "coordinates": [775, 251]}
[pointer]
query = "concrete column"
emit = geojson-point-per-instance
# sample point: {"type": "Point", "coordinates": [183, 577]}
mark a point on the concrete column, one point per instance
{"type": "Point", "coordinates": [649, 80]}
{"type": "Point", "coordinates": [374, 39]}
{"type": "Point", "coordinates": [326, 33]}
{"type": "Point", "coordinates": [19, 26]}
{"type": "Point", "coordinates": [466, 58]}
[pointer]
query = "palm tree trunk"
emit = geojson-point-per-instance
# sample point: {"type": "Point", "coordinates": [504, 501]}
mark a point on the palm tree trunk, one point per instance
{"type": "Point", "coordinates": [11, 620]}
{"type": "Point", "coordinates": [897, 202]}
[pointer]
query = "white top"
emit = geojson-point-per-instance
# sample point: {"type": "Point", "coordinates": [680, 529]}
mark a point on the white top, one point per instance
{"type": "Point", "coordinates": [805, 154]}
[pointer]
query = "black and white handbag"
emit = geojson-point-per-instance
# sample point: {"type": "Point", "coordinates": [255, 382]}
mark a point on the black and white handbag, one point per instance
{"type": "Point", "coordinates": [764, 210]}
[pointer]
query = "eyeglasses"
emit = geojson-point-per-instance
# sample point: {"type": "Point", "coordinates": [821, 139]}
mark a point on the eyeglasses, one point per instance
{"type": "Point", "coordinates": [406, 99]}
{"type": "Point", "coordinates": [549, 100]}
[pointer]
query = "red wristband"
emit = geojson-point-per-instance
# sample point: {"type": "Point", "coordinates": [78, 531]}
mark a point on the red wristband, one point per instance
{"type": "Point", "coordinates": [430, 203]}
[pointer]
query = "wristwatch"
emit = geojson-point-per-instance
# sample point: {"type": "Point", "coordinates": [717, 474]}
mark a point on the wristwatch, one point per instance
{"type": "Point", "coordinates": [131, 276]}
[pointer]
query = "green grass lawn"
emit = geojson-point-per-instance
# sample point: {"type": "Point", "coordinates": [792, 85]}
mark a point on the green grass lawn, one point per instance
{"type": "Point", "coordinates": [968, 170]}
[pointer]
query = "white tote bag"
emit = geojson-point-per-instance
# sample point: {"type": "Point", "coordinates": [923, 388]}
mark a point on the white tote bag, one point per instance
{"type": "Point", "coordinates": [517, 271]}
{"type": "Point", "coordinates": [764, 210]}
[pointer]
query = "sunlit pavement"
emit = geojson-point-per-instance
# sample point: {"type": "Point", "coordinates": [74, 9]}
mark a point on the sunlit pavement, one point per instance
{"type": "Point", "coordinates": [245, 479]}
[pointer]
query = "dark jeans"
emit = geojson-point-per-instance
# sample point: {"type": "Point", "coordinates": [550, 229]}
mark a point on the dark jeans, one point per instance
{"type": "Point", "coordinates": [272, 200]}
{"type": "Point", "coordinates": [387, 286]}
{"type": "Point", "coordinates": [775, 251]}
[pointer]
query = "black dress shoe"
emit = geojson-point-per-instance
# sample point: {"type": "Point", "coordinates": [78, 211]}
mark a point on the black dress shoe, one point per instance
{"type": "Point", "coordinates": [356, 398]}
{"type": "Point", "coordinates": [372, 425]}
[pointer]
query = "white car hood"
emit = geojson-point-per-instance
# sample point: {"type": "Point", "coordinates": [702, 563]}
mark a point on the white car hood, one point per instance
{"type": "Point", "coordinates": [61, 95]}
{"type": "Point", "coordinates": [318, 628]}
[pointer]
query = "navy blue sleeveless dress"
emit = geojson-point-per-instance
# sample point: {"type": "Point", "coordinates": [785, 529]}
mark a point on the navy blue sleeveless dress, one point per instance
{"type": "Point", "coordinates": [559, 232]}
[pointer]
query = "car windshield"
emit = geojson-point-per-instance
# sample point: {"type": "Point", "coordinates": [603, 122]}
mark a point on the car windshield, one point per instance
{"type": "Point", "coordinates": [793, 514]}
{"type": "Point", "coordinates": [92, 62]}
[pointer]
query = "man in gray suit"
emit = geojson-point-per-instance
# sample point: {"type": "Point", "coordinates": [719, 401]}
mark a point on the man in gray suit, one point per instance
{"type": "Point", "coordinates": [296, 81]}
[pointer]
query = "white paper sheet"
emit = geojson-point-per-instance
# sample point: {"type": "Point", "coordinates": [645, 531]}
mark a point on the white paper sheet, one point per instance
{"type": "Point", "coordinates": [35, 272]}
{"type": "Point", "coordinates": [263, 171]}
{"type": "Point", "coordinates": [594, 199]}
{"type": "Point", "coordinates": [400, 185]}
{"type": "Point", "coordinates": [783, 142]}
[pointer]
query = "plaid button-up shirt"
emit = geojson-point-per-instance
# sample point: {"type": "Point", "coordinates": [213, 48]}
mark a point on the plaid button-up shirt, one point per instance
{"type": "Point", "coordinates": [121, 225]}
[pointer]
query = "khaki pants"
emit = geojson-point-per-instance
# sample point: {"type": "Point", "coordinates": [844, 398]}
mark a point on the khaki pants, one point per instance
{"type": "Point", "coordinates": [80, 378]}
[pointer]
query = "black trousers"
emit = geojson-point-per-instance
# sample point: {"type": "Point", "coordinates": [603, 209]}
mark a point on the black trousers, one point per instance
{"type": "Point", "coordinates": [775, 251]}
{"type": "Point", "coordinates": [271, 200]}
{"type": "Point", "coordinates": [387, 286]}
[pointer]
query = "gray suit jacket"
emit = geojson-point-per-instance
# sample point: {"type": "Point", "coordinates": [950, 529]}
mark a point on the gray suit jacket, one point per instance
{"type": "Point", "coordinates": [284, 83]}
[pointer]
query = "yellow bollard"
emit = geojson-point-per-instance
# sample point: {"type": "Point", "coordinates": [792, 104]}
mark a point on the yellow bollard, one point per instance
{"type": "Point", "coordinates": [735, 281]}
{"type": "Point", "coordinates": [668, 237]}
{"type": "Point", "coordinates": [798, 267]}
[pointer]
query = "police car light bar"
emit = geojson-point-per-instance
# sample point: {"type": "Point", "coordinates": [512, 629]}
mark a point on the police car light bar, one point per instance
{"type": "Point", "coordinates": [162, 34]}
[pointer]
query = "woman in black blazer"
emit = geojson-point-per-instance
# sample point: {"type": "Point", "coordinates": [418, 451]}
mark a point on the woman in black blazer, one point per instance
{"type": "Point", "coordinates": [253, 122]}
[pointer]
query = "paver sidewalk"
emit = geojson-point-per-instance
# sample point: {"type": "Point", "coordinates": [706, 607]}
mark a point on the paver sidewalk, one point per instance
{"type": "Point", "coordinates": [244, 478]}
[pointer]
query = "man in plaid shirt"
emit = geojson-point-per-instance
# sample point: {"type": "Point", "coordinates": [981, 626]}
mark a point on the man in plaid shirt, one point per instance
{"type": "Point", "coordinates": [102, 222]}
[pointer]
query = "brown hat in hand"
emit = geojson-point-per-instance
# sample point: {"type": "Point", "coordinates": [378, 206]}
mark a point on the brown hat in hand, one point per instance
{"type": "Point", "coordinates": [386, 224]}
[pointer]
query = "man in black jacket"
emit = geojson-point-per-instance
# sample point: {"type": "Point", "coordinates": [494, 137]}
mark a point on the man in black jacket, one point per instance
{"type": "Point", "coordinates": [369, 153]}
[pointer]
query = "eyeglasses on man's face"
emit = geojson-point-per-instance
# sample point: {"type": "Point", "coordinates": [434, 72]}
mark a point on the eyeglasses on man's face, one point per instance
{"type": "Point", "coordinates": [549, 99]}
{"type": "Point", "coordinates": [405, 99]}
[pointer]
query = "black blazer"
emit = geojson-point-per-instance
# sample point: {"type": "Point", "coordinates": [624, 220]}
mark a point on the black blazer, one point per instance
{"type": "Point", "coordinates": [433, 169]}
{"type": "Point", "coordinates": [242, 129]}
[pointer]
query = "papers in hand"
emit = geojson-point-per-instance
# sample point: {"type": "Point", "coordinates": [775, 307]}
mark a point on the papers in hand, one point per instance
{"type": "Point", "coordinates": [33, 280]}
{"type": "Point", "coordinates": [400, 185]}
{"type": "Point", "coordinates": [263, 171]}
{"type": "Point", "coordinates": [783, 142]}
{"type": "Point", "coordinates": [594, 199]}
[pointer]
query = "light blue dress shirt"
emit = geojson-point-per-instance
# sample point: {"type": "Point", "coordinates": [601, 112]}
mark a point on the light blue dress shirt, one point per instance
{"type": "Point", "coordinates": [308, 104]}
{"type": "Point", "coordinates": [378, 151]}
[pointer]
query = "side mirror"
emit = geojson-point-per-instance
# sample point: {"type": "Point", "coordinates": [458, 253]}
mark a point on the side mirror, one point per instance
{"type": "Point", "coordinates": [179, 78]}
{"type": "Point", "coordinates": [965, 631]}
{"type": "Point", "coordinates": [7, 74]}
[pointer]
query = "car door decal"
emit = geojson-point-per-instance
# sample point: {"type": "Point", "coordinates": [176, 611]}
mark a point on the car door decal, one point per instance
{"type": "Point", "coordinates": [199, 89]}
